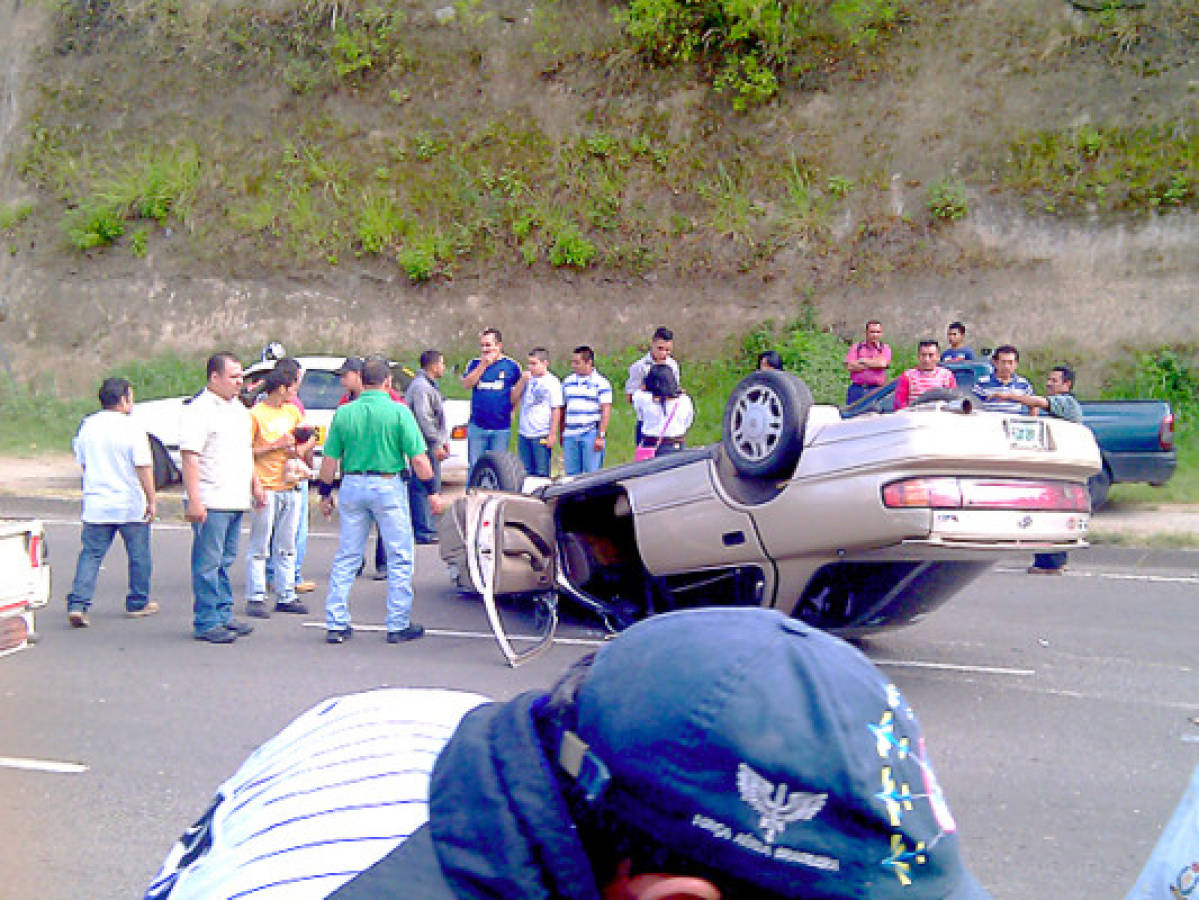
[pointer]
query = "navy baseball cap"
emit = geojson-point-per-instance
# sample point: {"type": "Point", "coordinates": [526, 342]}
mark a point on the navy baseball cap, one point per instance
{"type": "Point", "coordinates": [768, 750]}
{"type": "Point", "coordinates": [352, 364]}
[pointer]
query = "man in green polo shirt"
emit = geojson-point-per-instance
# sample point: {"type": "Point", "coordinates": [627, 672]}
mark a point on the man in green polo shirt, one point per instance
{"type": "Point", "coordinates": [374, 439]}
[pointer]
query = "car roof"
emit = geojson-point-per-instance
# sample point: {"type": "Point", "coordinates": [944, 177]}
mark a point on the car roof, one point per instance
{"type": "Point", "coordinates": [316, 363]}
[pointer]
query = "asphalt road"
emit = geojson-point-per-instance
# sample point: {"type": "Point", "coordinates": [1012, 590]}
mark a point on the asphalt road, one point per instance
{"type": "Point", "coordinates": [1057, 712]}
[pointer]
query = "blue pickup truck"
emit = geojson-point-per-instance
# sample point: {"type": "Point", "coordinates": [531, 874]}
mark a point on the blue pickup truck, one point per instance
{"type": "Point", "coordinates": [1135, 437]}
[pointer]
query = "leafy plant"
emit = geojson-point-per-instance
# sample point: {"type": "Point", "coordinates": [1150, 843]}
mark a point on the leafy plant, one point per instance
{"type": "Point", "coordinates": [94, 225]}
{"type": "Point", "coordinates": [14, 214]}
{"type": "Point", "coordinates": [947, 200]}
{"type": "Point", "coordinates": [571, 248]}
{"type": "Point", "coordinates": [137, 242]}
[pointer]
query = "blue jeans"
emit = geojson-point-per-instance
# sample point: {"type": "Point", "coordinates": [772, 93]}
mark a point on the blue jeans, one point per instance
{"type": "Point", "coordinates": [301, 539]}
{"type": "Point", "coordinates": [579, 454]}
{"type": "Point", "coordinates": [856, 392]}
{"type": "Point", "coordinates": [96, 539]}
{"type": "Point", "coordinates": [214, 551]}
{"type": "Point", "coordinates": [386, 500]}
{"type": "Point", "coordinates": [480, 440]}
{"type": "Point", "coordinates": [418, 503]}
{"type": "Point", "coordinates": [273, 535]}
{"type": "Point", "coordinates": [535, 455]}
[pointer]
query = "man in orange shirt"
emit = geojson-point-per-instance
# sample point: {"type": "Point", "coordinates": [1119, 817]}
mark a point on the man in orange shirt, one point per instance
{"type": "Point", "coordinates": [278, 462]}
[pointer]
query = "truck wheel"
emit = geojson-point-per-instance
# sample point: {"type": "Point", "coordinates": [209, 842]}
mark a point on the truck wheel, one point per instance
{"type": "Point", "coordinates": [764, 423]}
{"type": "Point", "coordinates": [497, 470]}
{"type": "Point", "coordinates": [1098, 484]}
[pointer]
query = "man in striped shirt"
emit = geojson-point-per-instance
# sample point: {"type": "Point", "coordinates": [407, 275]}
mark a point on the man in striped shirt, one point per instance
{"type": "Point", "coordinates": [1002, 381]}
{"type": "Point", "coordinates": [588, 396]}
{"type": "Point", "coordinates": [925, 377]}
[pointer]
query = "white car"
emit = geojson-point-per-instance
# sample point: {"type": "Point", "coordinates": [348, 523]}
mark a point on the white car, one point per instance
{"type": "Point", "coordinates": [320, 389]}
{"type": "Point", "coordinates": [26, 583]}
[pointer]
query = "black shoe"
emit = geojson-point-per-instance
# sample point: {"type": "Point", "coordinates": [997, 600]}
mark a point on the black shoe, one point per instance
{"type": "Point", "coordinates": [256, 609]}
{"type": "Point", "coordinates": [427, 540]}
{"type": "Point", "coordinates": [338, 635]}
{"type": "Point", "coordinates": [238, 627]}
{"type": "Point", "coordinates": [379, 576]}
{"type": "Point", "coordinates": [218, 635]}
{"type": "Point", "coordinates": [411, 633]}
{"type": "Point", "coordinates": [293, 606]}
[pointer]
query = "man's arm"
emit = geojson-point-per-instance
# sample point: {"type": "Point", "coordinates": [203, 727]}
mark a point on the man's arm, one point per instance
{"type": "Point", "coordinates": [326, 477]}
{"type": "Point", "coordinates": [422, 469]}
{"type": "Point", "coordinates": [605, 415]}
{"type": "Point", "coordinates": [195, 511]}
{"type": "Point", "coordinates": [555, 426]}
{"type": "Point", "coordinates": [145, 475]}
{"type": "Point", "coordinates": [901, 393]}
{"type": "Point", "coordinates": [518, 389]}
{"type": "Point", "coordinates": [474, 371]}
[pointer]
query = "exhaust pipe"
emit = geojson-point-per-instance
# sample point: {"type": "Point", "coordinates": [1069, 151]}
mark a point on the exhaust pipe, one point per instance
{"type": "Point", "coordinates": [963, 405]}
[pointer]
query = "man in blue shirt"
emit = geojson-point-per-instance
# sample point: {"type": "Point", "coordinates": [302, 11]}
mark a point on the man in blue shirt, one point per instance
{"type": "Point", "coordinates": [490, 377]}
{"type": "Point", "coordinates": [995, 391]}
{"type": "Point", "coordinates": [957, 351]}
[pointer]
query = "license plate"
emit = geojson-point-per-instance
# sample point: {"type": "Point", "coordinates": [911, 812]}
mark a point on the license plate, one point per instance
{"type": "Point", "coordinates": [1026, 434]}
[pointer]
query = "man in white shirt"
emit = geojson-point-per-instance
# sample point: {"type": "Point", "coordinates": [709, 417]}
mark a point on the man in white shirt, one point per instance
{"type": "Point", "coordinates": [661, 350]}
{"type": "Point", "coordinates": [118, 498]}
{"type": "Point", "coordinates": [220, 485]}
{"type": "Point", "coordinates": [539, 393]}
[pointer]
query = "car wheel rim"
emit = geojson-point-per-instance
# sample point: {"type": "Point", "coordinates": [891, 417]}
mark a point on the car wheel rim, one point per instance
{"type": "Point", "coordinates": [487, 480]}
{"type": "Point", "coordinates": [757, 423]}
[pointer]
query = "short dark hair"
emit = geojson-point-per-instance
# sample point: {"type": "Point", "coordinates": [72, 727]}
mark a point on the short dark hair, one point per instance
{"type": "Point", "coordinates": [494, 332]}
{"type": "Point", "coordinates": [288, 364]}
{"type": "Point", "coordinates": [113, 391]}
{"type": "Point", "coordinates": [429, 358]}
{"type": "Point", "coordinates": [956, 326]}
{"type": "Point", "coordinates": [662, 333]}
{"type": "Point", "coordinates": [877, 322]}
{"type": "Point", "coordinates": [586, 352]}
{"type": "Point", "coordinates": [375, 371]}
{"type": "Point", "coordinates": [1067, 374]}
{"type": "Point", "coordinates": [1006, 348]}
{"type": "Point", "coordinates": [661, 383]}
{"type": "Point", "coordinates": [771, 358]}
{"type": "Point", "coordinates": [927, 342]}
{"type": "Point", "coordinates": [277, 378]}
{"type": "Point", "coordinates": [218, 362]}
{"type": "Point", "coordinates": [540, 353]}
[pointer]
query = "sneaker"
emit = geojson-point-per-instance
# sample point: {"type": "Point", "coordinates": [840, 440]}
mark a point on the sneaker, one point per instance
{"type": "Point", "coordinates": [429, 539]}
{"type": "Point", "coordinates": [148, 610]}
{"type": "Point", "coordinates": [256, 609]}
{"type": "Point", "coordinates": [77, 618]}
{"type": "Point", "coordinates": [238, 627]}
{"type": "Point", "coordinates": [218, 635]}
{"type": "Point", "coordinates": [338, 635]}
{"type": "Point", "coordinates": [1037, 570]}
{"type": "Point", "coordinates": [305, 587]}
{"type": "Point", "coordinates": [292, 606]}
{"type": "Point", "coordinates": [411, 633]}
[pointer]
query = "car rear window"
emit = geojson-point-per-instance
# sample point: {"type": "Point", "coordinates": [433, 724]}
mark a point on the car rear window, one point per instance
{"type": "Point", "coordinates": [320, 390]}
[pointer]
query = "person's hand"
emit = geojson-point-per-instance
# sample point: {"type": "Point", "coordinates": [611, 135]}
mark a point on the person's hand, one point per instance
{"type": "Point", "coordinates": [286, 442]}
{"type": "Point", "coordinates": [437, 504]}
{"type": "Point", "coordinates": [327, 506]}
{"type": "Point", "coordinates": [442, 452]}
{"type": "Point", "coordinates": [599, 442]}
{"type": "Point", "coordinates": [551, 440]}
{"type": "Point", "coordinates": [151, 510]}
{"type": "Point", "coordinates": [259, 496]}
{"type": "Point", "coordinates": [195, 511]}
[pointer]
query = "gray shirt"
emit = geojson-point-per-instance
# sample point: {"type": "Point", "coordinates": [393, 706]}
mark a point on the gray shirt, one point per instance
{"type": "Point", "coordinates": [1064, 406]}
{"type": "Point", "coordinates": [424, 399]}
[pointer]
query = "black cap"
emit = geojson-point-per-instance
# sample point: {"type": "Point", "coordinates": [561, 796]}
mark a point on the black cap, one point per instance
{"type": "Point", "coordinates": [352, 364]}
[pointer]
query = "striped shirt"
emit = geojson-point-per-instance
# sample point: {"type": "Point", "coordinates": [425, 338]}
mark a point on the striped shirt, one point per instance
{"type": "Point", "coordinates": [989, 384]}
{"type": "Point", "coordinates": [585, 395]}
{"type": "Point", "coordinates": [326, 798]}
{"type": "Point", "coordinates": [915, 382]}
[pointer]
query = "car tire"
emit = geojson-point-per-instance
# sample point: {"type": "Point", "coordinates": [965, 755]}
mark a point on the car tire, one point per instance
{"type": "Point", "coordinates": [1099, 484]}
{"type": "Point", "coordinates": [764, 422]}
{"type": "Point", "coordinates": [497, 470]}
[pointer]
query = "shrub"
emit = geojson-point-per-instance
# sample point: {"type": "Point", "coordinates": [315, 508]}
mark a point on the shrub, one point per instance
{"type": "Point", "coordinates": [947, 200]}
{"type": "Point", "coordinates": [94, 225]}
{"type": "Point", "coordinates": [571, 248]}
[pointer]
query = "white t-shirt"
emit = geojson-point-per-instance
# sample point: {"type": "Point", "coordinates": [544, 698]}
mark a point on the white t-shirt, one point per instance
{"type": "Point", "coordinates": [543, 394]}
{"type": "Point", "coordinates": [219, 430]}
{"type": "Point", "coordinates": [109, 446]}
{"type": "Point", "coordinates": [652, 417]}
{"type": "Point", "coordinates": [326, 798]}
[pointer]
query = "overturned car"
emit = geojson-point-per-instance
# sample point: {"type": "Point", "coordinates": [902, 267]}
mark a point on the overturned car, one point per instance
{"type": "Point", "coordinates": [853, 525]}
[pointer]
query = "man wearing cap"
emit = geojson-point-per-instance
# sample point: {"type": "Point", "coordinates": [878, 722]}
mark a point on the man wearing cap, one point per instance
{"type": "Point", "coordinates": [375, 440]}
{"type": "Point", "coordinates": [777, 763]}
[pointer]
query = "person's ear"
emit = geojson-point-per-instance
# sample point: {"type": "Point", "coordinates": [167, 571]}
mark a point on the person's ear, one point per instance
{"type": "Point", "coordinates": [658, 887]}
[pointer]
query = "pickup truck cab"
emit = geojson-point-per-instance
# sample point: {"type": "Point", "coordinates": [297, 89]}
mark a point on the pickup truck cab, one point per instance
{"type": "Point", "coordinates": [25, 586]}
{"type": "Point", "coordinates": [1135, 437]}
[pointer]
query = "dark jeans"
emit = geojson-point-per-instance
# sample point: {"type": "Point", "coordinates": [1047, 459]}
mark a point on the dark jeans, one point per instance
{"type": "Point", "coordinates": [857, 392]}
{"type": "Point", "coordinates": [534, 455]}
{"type": "Point", "coordinates": [418, 503]}
{"type": "Point", "coordinates": [1050, 560]}
{"type": "Point", "coordinates": [214, 551]}
{"type": "Point", "coordinates": [96, 539]}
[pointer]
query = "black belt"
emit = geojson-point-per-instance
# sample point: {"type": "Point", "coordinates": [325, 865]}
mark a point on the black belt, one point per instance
{"type": "Point", "coordinates": [378, 474]}
{"type": "Point", "coordinates": [647, 441]}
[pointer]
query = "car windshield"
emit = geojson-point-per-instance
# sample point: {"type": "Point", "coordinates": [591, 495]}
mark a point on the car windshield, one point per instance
{"type": "Point", "coordinates": [320, 390]}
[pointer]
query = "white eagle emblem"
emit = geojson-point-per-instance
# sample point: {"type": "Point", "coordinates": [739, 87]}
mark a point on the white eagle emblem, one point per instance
{"type": "Point", "coordinates": [776, 808]}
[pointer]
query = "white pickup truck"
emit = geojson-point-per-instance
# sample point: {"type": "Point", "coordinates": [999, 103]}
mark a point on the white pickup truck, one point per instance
{"type": "Point", "coordinates": [25, 584]}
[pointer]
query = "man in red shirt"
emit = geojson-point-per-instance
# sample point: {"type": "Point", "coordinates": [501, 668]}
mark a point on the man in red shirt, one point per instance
{"type": "Point", "coordinates": [925, 377]}
{"type": "Point", "coordinates": [867, 362]}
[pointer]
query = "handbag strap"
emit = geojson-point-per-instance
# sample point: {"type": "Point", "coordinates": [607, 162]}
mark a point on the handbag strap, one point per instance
{"type": "Point", "coordinates": [666, 424]}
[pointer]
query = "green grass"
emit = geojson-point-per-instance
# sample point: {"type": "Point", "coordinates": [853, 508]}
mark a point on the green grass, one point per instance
{"type": "Point", "coordinates": [1182, 488]}
{"type": "Point", "coordinates": [37, 422]}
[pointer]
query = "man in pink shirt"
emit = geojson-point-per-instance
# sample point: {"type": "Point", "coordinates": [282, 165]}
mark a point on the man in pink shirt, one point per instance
{"type": "Point", "coordinates": [925, 377]}
{"type": "Point", "coordinates": [867, 362]}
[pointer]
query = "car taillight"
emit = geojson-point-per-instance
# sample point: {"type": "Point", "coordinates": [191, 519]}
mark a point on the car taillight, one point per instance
{"type": "Point", "coordinates": [459, 433]}
{"type": "Point", "coordinates": [1165, 432]}
{"type": "Point", "coordinates": [35, 550]}
{"type": "Point", "coordinates": [977, 493]}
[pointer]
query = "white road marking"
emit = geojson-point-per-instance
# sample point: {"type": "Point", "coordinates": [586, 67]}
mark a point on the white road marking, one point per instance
{"type": "Point", "coordinates": [1112, 576]}
{"type": "Point", "coordinates": [42, 765]}
{"type": "Point", "coordinates": [951, 667]}
{"type": "Point", "coordinates": [485, 635]}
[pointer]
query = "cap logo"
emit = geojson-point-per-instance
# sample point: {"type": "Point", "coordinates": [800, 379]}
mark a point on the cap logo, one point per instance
{"type": "Point", "coordinates": [776, 806]}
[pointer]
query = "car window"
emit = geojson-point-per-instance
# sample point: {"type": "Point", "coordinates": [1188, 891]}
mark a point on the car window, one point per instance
{"type": "Point", "coordinates": [320, 390]}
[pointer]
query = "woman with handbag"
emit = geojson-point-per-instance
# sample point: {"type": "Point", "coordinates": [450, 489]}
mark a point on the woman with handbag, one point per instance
{"type": "Point", "coordinates": [665, 413]}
